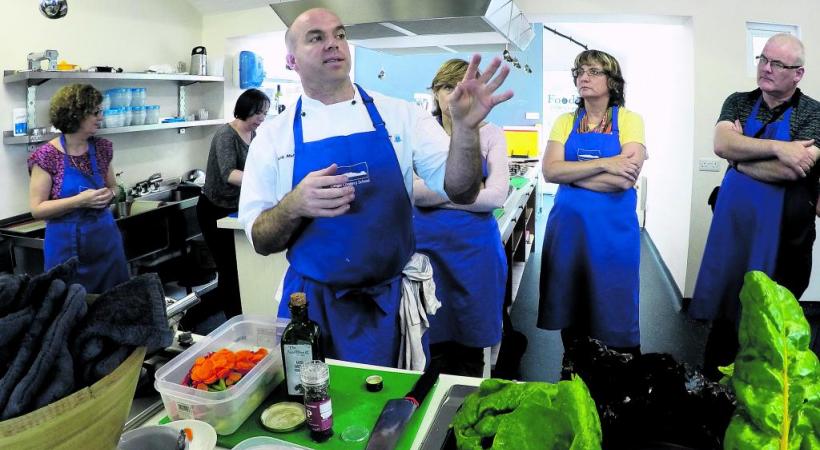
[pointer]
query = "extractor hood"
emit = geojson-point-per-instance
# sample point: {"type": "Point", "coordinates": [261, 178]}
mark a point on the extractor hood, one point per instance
{"type": "Point", "coordinates": [402, 27]}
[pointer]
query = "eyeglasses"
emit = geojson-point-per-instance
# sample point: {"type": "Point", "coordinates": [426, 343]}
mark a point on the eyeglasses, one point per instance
{"type": "Point", "coordinates": [775, 65]}
{"type": "Point", "coordinates": [592, 72]}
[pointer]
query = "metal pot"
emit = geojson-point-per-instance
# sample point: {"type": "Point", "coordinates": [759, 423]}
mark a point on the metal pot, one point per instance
{"type": "Point", "coordinates": [199, 61]}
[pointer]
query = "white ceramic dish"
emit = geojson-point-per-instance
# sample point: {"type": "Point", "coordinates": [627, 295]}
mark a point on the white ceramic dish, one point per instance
{"type": "Point", "coordinates": [204, 435]}
{"type": "Point", "coordinates": [266, 443]}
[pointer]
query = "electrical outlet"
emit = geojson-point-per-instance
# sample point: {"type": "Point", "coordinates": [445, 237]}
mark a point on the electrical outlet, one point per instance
{"type": "Point", "coordinates": [709, 165]}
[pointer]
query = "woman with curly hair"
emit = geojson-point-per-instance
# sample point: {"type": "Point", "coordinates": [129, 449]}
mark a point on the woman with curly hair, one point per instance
{"type": "Point", "coordinates": [72, 183]}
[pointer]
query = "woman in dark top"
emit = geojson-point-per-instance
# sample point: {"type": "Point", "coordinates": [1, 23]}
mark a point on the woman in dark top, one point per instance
{"type": "Point", "coordinates": [220, 195]}
{"type": "Point", "coordinates": [72, 184]}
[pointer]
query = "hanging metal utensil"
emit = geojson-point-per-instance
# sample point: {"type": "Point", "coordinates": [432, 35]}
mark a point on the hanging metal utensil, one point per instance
{"type": "Point", "coordinates": [54, 9]}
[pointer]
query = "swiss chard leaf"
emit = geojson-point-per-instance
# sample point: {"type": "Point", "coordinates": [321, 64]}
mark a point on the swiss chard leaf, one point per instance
{"type": "Point", "coordinates": [776, 377]}
{"type": "Point", "coordinates": [519, 416]}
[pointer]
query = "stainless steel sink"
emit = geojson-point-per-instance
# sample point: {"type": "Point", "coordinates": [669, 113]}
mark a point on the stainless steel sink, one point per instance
{"type": "Point", "coordinates": [180, 196]}
{"type": "Point", "coordinates": [156, 223]}
{"type": "Point", "coordinates": [177, 193]}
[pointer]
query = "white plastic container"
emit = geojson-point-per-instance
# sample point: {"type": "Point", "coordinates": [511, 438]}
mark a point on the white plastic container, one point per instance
{"type": "Point", "coordinates": [151, 114]}
{"type": "Point", "coordinates": [137, 115]}
{"type": "Point", "coordinates": [126, 115]}
{"type": "Point", "coordinates": [119, 97]}
{"type": "Point", "coordinates": [127, 93]}
{"type": "Point", "coordinates": [20, 121]}
{"type": "Point", "coordinates": [106, 103]}
{"type": "Point", "coordinates": [225, 410]}
{"type": "Point", "coordinates": [137, 96]}
{"type": "Point", "coordinates": [112, 118]}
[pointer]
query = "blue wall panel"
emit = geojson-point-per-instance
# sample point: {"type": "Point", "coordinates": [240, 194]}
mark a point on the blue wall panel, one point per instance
{"type": "Point", "coordinates": [406, 75]}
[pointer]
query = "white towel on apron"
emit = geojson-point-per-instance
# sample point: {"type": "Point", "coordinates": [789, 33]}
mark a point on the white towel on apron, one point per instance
{"type": "Point", "coordinates": [418, 299]}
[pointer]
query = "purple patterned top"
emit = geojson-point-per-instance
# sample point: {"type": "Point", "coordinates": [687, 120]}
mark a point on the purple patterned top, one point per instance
{"type": "Point", "coordinates": [51, 159]}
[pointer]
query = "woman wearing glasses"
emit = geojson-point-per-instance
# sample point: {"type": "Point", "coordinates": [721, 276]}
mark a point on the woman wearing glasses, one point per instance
{"type": "Point", "coordinates": [589, 269]}
{"type": "Point", "coordinates": [72, 183]}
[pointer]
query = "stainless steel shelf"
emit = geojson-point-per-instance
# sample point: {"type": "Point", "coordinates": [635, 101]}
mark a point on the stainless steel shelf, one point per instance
{"type": "Point", "coordinates": [40, 76]}
{"type": "Point", "coordinates": [9, 138]}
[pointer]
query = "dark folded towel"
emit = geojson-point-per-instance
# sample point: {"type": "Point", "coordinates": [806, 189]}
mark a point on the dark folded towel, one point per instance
{"type": "Point", "coordinates": [50, 375]}
{"type": "Point", "coordinates": [30, 344]}
{"type": "Point", "coordinates": [131, 314]}
{"type": "Point", "coordinates": [37, 287]}
{"type": "Point", "coordinates": [11, 292]}
{"type": "Point", "coordinates": [12, 329]}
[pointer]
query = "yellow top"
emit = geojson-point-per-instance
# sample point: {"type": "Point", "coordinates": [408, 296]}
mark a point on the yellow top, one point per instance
{"type": "Point", "coordinates": [630, 127]}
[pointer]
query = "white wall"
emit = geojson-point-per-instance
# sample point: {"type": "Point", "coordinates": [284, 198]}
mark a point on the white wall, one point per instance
{"type": "Point", "coordinates": [127, 34]}
{"type": "Point", "coordinates": [718, 65]}
{"type": "Point", "coordinates": [656, 57]}
{"type": "Point", "coordinates": [718, 30]}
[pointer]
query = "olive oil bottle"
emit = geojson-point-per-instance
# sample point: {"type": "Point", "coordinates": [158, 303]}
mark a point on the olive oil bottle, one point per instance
{"type": "Point", "coordinates": [300, 344]}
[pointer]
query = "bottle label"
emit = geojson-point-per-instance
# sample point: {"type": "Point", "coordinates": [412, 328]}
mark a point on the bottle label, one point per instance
{"type": "Point", "coordinates": [319, 415]}
{"type": "Point", "coordinates": [296, 355]}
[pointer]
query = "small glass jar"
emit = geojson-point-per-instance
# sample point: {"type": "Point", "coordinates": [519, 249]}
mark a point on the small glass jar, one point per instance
{"type": "Point", "coordinates": [315, 377]}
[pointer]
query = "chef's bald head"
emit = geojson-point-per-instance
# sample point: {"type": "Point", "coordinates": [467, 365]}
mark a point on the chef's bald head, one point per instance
{"type": "Point", "coordinates": [303, 24]}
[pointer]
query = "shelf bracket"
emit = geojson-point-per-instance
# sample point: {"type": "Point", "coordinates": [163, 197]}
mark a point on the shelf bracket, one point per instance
{"type": "Point", "coordinates": [181, 100]}
{"type": "Point", "coordinates": [31, 111]}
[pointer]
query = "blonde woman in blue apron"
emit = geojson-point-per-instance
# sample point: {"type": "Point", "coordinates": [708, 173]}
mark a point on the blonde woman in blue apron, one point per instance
{"type": "Point", "coordinates": [464, 247]}
{"type": "Point", "coordinates": [591, 255]}
{"type": "Point", "coordinates": [72, 184]}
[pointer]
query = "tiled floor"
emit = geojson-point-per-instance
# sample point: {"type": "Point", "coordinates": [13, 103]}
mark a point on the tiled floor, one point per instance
{"type": "Point", "coordinates": [663, 328]}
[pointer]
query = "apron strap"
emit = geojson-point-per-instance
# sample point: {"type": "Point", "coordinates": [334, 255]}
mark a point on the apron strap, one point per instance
{"type": "Point", "coordinates": [375, 117]}
{"type": "Point", "coordinates": [92, 159]}
{"type": "Point", "coordinates": [776, 113]}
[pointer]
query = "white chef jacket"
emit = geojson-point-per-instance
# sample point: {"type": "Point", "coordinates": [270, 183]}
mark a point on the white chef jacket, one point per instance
{"type": "Point", "coordinates": [419, 141]}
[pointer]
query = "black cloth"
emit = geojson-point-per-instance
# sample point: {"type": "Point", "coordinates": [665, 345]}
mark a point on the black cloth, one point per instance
{"type": "Point", "coordinates": [221, 244]}
{"type": "Point", "coordinates": [797, 227]}
{"type": "Point", "coordinates": [11, 289]}
{"type": "Point", "coordinates": [228, 153]}
{"type": "Point", "coordinates": [456, 359]}
{"type": "Point", "coordinates": [50, 375]}
{"type": "Point", "coordinates": [31, 342]}
{"type": "Point", "coordinates": [126, 316]}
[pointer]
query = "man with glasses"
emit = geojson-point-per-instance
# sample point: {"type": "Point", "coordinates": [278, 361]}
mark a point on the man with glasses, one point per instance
{"type": "Point", "coordinates": [764, 213]}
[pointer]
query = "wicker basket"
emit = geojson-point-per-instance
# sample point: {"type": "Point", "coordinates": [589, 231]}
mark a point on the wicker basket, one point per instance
{"type": "Point", "coordinates": [89, 419]}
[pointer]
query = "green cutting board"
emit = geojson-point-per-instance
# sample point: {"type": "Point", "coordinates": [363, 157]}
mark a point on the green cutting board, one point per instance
{"type": "Point", "coordinates": [352, 405]}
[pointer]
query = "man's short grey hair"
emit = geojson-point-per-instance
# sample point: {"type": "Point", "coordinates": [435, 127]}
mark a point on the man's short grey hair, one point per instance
{"type": "Point", "coordinates": [800, 50]}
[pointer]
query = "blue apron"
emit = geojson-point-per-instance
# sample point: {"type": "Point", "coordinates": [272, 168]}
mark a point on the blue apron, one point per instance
{"type": "Point", "coordinates": [745, 232]}
{"type": "Point", "coordinates": [350, 266]}
{"type": "Point", "coordinates": [86, 233]}
{"type": "Point", "coordinates": [591, 256]}
{"type": "Point", "coordinates": [470, 271]}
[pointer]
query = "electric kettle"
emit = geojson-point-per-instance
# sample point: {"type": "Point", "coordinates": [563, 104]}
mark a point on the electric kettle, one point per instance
{"type": "Point", "coordinates": [199, 61]}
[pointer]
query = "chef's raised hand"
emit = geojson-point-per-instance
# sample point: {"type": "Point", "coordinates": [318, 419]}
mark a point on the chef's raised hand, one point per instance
{"type": "Point", "coordinates": [322, 194]}
{"type": "Point", "coordinates": [94, 198]}
{"type": "Point", "coordinates": [473, 98]}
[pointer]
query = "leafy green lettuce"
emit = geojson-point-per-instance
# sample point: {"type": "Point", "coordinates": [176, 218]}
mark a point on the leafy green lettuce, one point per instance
{"type": "Point", "coordinates": [507, 415]}
{"type": "Point", "coordinates": [775, 376]}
